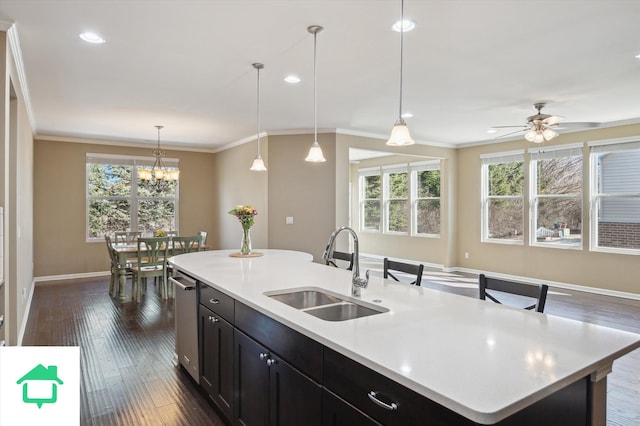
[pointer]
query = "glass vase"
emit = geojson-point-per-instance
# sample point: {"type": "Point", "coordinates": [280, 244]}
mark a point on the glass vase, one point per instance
{"type": "Point", "coordinates": [245, 246]}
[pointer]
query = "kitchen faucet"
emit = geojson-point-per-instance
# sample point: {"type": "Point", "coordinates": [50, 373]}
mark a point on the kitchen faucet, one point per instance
{"type": "Point", "coordinates": [357, 282]}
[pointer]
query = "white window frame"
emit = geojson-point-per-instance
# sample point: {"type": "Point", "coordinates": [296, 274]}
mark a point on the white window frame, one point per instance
{"type": "Point", "coordinates": [598, 147]}
{"type": "Point", "coordinates": [386, 171]}
{"type": "Point", "coordinates": [415, 169]}
{"type": "Point", "coordinates": [498, 158]}
{"type": "Point", "coordinates": [363, 173]}
{"type": "Point", "coordinates": [563, 151]}
{"type": "Point", "coordinates": [134, 162]}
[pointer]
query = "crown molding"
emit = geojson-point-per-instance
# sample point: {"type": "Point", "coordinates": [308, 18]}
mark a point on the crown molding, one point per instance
{"type": "Point", "coordinates": [21, 77]}
{"type": "Point", "coordinates": [121, 142]}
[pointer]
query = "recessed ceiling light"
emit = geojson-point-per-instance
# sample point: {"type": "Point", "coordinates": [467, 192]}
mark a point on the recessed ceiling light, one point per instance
{"type": "Point", "coordinates": [638, 56]}
{"type": "Point", "coordinates": [90, 37]}
{"type": "Point", "coordinates": [406, 26]}
{"type": "Point", "coordinates": [292, 79]}
{"type": "Point", "coordinates": [407, 115]}
{"type": "Point", "coordinates": [492, 131]}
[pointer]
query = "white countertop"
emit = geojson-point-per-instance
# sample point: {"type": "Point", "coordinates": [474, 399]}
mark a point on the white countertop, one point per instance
{"type": "Point", "coordinates": [482, 360]}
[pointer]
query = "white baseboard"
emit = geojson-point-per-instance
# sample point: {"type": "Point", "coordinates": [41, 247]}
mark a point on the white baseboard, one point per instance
{"type": "Point", "coordinates": [48, 278]}
{"type": "Point", "coordinates": [25, 317]}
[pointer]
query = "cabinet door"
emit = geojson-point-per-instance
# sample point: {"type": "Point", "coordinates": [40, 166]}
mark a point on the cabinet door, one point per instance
{"type": "Point", "coordinates": [216, 370]}
{"type": "Point", "coordinates": [251, 382]}
{"type": "Point", "coordinates": [337, 412]}
{"type": "Point", "coordinates": [295, 399]}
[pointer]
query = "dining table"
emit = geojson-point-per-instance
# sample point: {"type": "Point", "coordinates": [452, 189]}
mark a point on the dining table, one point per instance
{"type": "Point", "coordinates": [128, 251]}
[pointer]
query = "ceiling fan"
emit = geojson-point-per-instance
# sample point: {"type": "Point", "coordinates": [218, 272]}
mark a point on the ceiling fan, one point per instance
{"type": "Point", "coordinates": [543, 127]}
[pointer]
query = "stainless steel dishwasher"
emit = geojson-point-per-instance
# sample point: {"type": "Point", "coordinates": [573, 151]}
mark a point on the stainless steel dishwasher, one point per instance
{"type": "Point", "coordinates": [186, 316]}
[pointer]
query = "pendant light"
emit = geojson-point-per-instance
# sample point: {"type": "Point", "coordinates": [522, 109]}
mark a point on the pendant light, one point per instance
{"type": "Point", "coordinates": [315, 152]}
{"type": "Point", "coordinates": [400, 133]}
{"type": "Point", "coordinates": [258, 163]}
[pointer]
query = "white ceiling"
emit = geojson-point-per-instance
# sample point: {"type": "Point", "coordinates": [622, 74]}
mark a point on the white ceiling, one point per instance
{"type": "Point", "coordinates": [186, 64]}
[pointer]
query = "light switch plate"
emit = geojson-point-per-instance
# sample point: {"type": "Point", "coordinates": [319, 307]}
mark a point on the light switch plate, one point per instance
{"type": "Point", "coordinates": [288, 220]}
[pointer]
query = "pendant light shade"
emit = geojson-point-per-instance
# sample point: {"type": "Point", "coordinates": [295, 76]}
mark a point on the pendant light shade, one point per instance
{"type": "Point", "coordinates": [400, 135]}
{"type": "Point", "coordinates": [315, 152]}
{"type": "Point", "coordinates": [258, 163]}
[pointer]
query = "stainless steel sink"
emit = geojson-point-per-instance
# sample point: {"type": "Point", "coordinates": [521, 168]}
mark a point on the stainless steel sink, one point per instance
{"type": "Point", "coordinates": [326, 305]}
{"type": "Point", "coordinates": [342, 312]}
{"type": "Point", "coordinates": [305, 298]}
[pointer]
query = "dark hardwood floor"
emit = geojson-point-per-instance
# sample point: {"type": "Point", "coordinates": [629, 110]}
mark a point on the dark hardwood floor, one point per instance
{"type": "Point", "coordinates": [126, 352]}
{"type": "Point", "coordinates": [128, 378]}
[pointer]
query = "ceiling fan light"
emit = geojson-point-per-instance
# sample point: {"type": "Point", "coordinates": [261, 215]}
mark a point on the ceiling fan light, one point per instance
{"type": "Point", "coordinates": [539, 138]}
{"type": "Point", "coordinates": [530, 135]}
{"type": "Point", "coordinates": [315, 154]}
{"type": "Point", "coordinates": [549, 134]}
{"type": "Point", "coordinates": [258, 165]}
{"type": "Point", "coordinates": [400, 135]}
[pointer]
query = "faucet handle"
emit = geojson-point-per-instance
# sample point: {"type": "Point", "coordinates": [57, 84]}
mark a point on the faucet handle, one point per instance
{"type": "Point", "coordinates": [362, 282]}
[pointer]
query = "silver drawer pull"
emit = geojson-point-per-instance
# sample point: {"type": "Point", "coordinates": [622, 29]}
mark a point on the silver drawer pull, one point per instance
{"type": "Point", "coordinates": [391, 407]}
{"type": "Point", "coordinates": [213, 319]}
{"type": "Point", "coordinates": [271, 362]}
{"type": "Point", "coordinates": [214, 301]}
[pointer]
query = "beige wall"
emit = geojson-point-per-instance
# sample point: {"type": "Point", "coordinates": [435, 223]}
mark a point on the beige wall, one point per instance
{"type": "Point", "coordinates": [236, 184]}
{"type": "Point", "coordinates": [305, 191]}
{"type": "Point", "coordinates": [60, 204]}
{"type": "Point", "coordinates": [17, 196]}
{"type": "Point", "coordinates": [610, 271]}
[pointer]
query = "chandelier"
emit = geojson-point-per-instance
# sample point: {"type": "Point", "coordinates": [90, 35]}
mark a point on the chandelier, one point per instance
{"type": "Point", "coordinates": [159, 172]}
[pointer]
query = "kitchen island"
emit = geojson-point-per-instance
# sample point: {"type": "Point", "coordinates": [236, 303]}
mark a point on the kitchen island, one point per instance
{"type": "Point", "coordinates": [471, 361]}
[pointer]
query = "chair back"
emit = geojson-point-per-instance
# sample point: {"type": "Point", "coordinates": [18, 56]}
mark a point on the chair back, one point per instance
{"type": "Point", "coordinates": [171, 233]}
{"type": "Point", "coordinates": [340, 255]}
{"type": "Point", "coordinates": [203, 237]}
{"type": "Point", "coordinates": [535, 291]}
{"type": "Point", "coordinates": [127, 237]}
{"type": "Point", "coordinates": [112, 254]}
{"type": "Point", "coordinates": [181, 245]}
{"type": "Point", "coordinates": [153, 251]}
{"type": "Point", "coordinates": [407, 268]}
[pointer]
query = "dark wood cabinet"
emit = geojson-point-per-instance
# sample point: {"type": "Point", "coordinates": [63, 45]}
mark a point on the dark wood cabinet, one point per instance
{"type": "Point", "coordinates": [338, 412]}
{"type": "Point", "coordinates": [216, 359]}
{"type": "Point", "coordinates": [269, 391]}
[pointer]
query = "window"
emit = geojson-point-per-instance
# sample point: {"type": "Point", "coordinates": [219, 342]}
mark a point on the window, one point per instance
{"type": "Point", "coordinates": [401, 199]}
{"type": "Point", "coordinates": [502, 207]}
{"type": "Point", "coordinates": [426, 198]}
{"type": "Point", "coordinates": [396, 199]}
{"type": "Point", "coordinates": [556, 197]}
{"type": "Point", "coordinates": [118, 201]}
{"type": "Point", "coordinates": [615, 197]}
{"type": "Point", "coordinates": [370, 199]}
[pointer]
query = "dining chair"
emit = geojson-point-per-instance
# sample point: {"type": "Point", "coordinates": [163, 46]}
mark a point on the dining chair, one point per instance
{"type": "Point", "coordinates": [534, 291]}
{"type": "Point", "coordinates": [181, 245]}
{"type": "Point", "coordinates": [407, 268]}
{"type": "Point", "coordinates": [152, 255]}
{"type": "Point", "coordinates": [127, 237]}
{"type": "Point", "coordinates": [116, 268]}
{"type": "Point", "coordinates": [340, 255]}
{"type": "Point", "coordinates": [203, 237]}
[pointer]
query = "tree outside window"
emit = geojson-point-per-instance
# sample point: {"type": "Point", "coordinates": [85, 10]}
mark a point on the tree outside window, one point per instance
{"type": "Point", "coordinates": [503, 207]}
{"type": "Point", "coordinates": [118, 201]}
{"type": "Point", "coordinates": [556, 197]}
{"type": "Point", "coordinates": [427, 200]}
{"type": "Point", "coordinates": [371, 201]}
{"type": "Point", "coordinates": [397, 202]}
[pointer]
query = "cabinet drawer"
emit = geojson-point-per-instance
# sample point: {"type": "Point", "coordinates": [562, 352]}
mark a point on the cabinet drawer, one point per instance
{"type": "Point", "coordinates": [354, 382]}
{"type": "Point", "coordinates": [217, 301]}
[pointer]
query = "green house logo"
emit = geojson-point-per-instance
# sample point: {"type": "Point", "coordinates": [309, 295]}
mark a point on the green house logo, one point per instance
{"type": "Point", "coordinates": [40, 385]}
